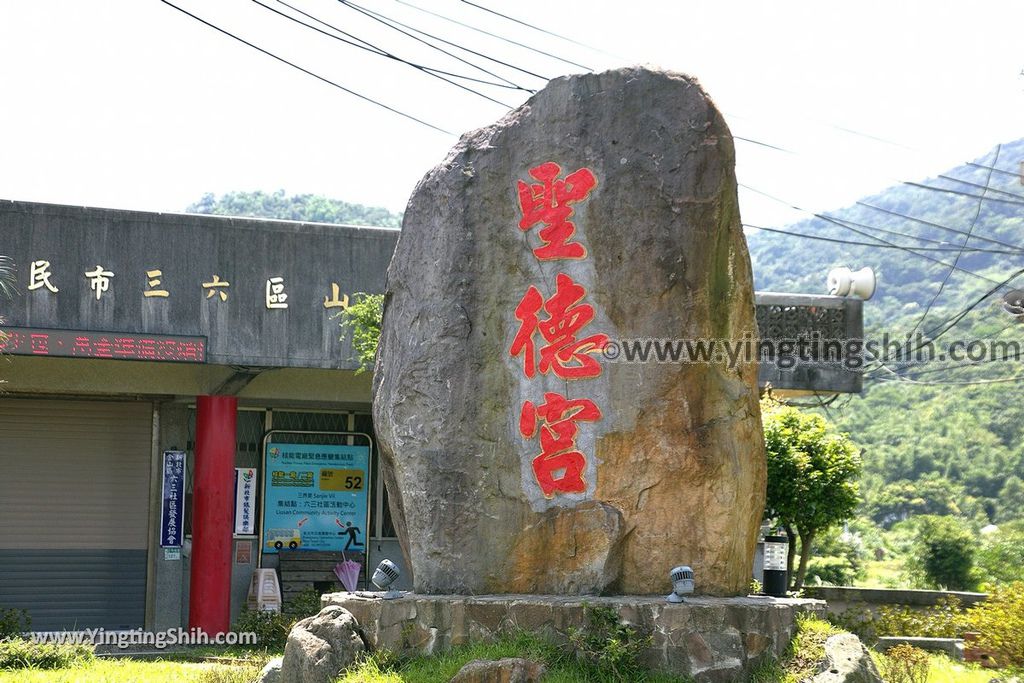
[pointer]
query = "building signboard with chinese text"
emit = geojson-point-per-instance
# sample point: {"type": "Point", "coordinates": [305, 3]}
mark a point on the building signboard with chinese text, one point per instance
{"type": "Point", "coordinates": [315, 497]}
{"type": "Point", "coordinates": [101, 283]}
{"type": "Point", "coordinates": [172, 510]}
{"type": "Point", "coordinates": [245, 501]}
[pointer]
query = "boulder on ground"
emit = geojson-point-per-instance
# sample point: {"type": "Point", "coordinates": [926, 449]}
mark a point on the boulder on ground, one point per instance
{"type": "Point", "coordinates": [526, 446]}
{"type": "Point", "coordinates": [271, 673]}
{"type": "Point", "coordinates": [847, 661]}
{"type": "Point", "coordinates": [509, 670]}
{"type": "Point", "coordinates": [322, 646]}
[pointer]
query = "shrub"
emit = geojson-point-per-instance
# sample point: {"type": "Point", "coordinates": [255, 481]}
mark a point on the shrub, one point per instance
{"type": "Point", "coordinates": [1000, 558]}
{"type": "Point", "coordinates": [18, 653]}
{"type": "Point", "coordinates": [13, 622]}
{"type": "Point", "coordinates": [271, 628]}
{"type": "Point", "coordinates": [837, 571]}
{"type": "Point", "coordinates": [840, 555]}
{"type": "Point", "coordinates": [609, 645]}
{"type": "Point", "coordinates": [905, 664]}
{"type": "Point", "coordinates": [945, 619]}
{"type": "Point", "coordinates": [362, 319]}
{"type": "Point", "coordinates": [943, 554]}
{"type": "Point", "coordinates": [1000, 621]}
{"type": "Point", "coordinates": [860, 621]}
{"type": "Point", "coordinates": [305, 604]}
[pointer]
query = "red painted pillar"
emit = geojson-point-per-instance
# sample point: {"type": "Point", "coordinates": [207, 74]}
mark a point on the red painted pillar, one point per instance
{"type": "Point", "coordinates": [209, 604]}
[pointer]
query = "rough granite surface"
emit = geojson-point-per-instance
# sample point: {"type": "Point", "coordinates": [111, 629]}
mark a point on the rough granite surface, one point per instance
{"type": "Point", "coordinates": [673, 471]}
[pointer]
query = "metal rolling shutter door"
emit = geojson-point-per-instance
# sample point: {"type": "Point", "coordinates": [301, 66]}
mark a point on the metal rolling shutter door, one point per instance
{"type": "Point", "coordinates": [74, 499]}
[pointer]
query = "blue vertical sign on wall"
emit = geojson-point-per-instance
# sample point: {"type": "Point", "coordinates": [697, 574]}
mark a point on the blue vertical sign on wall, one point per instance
{"type": "Point", "coordinates": [172, 515]}
{"type": "Point", "coordinates": [245, 501]}
{"type": "Point", "coordinates": [314, 497]}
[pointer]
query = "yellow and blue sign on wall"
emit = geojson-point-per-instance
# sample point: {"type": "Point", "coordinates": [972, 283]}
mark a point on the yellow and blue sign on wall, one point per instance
{"type": "Point", "coordinates": [315, 497]}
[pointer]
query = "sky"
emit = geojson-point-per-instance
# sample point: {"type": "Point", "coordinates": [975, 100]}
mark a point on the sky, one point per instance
{"type": "Point", "coordinates": [132, 104]}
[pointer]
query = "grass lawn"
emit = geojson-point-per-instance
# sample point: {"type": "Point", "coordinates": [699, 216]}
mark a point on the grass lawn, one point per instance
{"type": "Point", "coordinates": [72, 664]}
{"type": "Point", "coordinates": [420, 670]}
{"type": "Point", "coordinates": [561, 668]}
{"type": "Point", "coordinates": [942, 669]}
{"type": "Point", "coordinates": [136, 671]}
{"type": "Point", "coordinates": [240, 666]}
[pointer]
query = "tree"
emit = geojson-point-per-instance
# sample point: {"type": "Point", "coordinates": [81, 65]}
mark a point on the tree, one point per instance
{"type": "Point", "coordinates": [362, 320]}
{"type": "Point", "coordinates": [932, 494]}
{"type": "Point", "coordinates": [1000, 621]}
{"type": "Point", "coordinates": [300, 207]}
{"type": "Point", "coordinates": [812, 477]}
{"type": "Point", "coordinates": [1010, 504]}
{"type": "Point", "coordinates": [1000, 558]}
{"type": "Point", "coordinates": [943, 554]}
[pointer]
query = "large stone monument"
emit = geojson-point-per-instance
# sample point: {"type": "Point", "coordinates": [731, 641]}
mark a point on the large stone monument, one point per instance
{"type": "Point", "coordinates": [522, 452]}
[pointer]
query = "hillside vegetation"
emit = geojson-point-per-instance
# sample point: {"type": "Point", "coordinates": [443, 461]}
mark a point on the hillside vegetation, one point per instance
{"type": "Point", "coordinates": [301, 207]}
{"type": "Point", "coordinates": [939, 438]}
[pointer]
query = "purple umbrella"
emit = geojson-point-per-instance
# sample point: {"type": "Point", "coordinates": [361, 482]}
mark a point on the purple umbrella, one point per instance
{"type": "Point", "coordinates": [348, 573]}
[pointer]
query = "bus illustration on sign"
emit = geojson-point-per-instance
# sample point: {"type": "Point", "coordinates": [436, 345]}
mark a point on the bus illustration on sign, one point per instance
{"type": "Point", "coordinates": [279, 538]}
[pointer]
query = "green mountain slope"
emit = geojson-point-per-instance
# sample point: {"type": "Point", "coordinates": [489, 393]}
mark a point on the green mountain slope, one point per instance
{"type": "Point", "coordinates": [953, 442]}
{"type": "Point", "coordinates": [300, 207]}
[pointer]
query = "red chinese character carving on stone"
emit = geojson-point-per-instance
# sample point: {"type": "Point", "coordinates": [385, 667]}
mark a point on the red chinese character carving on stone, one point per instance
{"type": "Point", "coordinates": [559, 467]}
{"type": "Point", "coordinates": [549, 202]}
{"type": "Point", "coordinates": [564, 355]}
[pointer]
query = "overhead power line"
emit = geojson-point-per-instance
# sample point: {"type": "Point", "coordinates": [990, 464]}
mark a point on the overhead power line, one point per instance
{"type": "Point", "coordinates": [940, 226]}
{"type": "Point", "coordinates": [494, 35]}
{"type": "Point", "coordinates": [948, 190]}
{"type": "Point", "coordinates": [1018, 199]}
{"type": "Point", "coordinates": [952, 321]}
{"type": "Point", "coordinates": [384, 53]}
{"type": "Point", "coordinates": [376, 50]}
{"type": "Point", "coordinates": [871, 137]}
{"type": "Point", "coordinates": [388, 21]}
{"type": "Point", "coordinates": [763, 144]}
{"type": "Point", "coordinates": [909, 250]}
{"type": "Point", "coordinates": [979, 185]}
{"type": "Point", "coordinates": [1015, 174]}
{"type": "Point", "coordinates": [306, 71]}
{"type": "Point", "coordinates": [367, 13]}
{"type": "Point", "coordinates": [872, 244]}
{"type": "Point", "coordinates": [949, 273]}
{"type": "Point", "coordinates": [953, 383]}
{"type": "Point", "coordinates": [537, 28]}
{"type": "Point", "coordinates": [914, 373]}
{"type": "Point", "coordinates": [896, 233]}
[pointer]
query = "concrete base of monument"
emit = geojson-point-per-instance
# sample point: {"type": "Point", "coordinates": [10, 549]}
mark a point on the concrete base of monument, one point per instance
{"type": "Point", "coordinates": [710, 639]}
